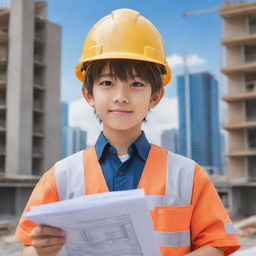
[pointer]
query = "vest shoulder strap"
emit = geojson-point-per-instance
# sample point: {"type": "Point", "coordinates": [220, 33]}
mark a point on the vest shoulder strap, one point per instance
{"type": "Point", "coordinates": [70, 178]}
{"type": "Point", "coordinates": [179, 180]}
{"type": "Point", "coordinates": [69, 173]}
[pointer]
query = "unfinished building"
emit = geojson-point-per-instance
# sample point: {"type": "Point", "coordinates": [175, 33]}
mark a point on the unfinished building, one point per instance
{"type": "Point", "coordinates": [29, 99]}
{"type": "Point", "coordinates": [239, 67]}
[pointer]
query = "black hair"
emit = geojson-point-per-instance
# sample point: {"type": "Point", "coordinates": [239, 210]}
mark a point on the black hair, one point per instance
{"type": "Point", "coordinates": [124, 69]}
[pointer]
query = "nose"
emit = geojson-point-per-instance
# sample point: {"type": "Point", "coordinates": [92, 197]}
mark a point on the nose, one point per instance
{"type": "Point", "coordinates": [121, 95]}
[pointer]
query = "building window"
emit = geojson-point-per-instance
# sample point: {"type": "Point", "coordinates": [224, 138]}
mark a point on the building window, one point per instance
{"type": "Point", "coordinates": [250, 82]}
{"type": "Point", "coordinates": [250, 110]}
{"type": "Point", "coordinates": [252, 167]}
{"type": "Point", "coordinates": [252, 139]}
{"type": "Point", "coordinates": [250, 53]}
{"type": "Point", "coordinates": [224, 198]}
{"type": "Point", "coordinates": [252, 24]}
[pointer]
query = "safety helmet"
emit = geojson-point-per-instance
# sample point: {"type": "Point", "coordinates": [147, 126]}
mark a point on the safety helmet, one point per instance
{"type": "Point", "coordinates": [124, 34]}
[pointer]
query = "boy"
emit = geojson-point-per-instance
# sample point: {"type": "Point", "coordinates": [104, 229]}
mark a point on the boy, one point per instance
{"type": "Point", "coordinates": [123, 68]}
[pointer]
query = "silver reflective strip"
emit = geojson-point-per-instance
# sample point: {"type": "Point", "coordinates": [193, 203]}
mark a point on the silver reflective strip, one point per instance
{"type": "Point", "coordinates": [173, 239]}
{"type": "Point", "coordinates": [179, 180]}
{"type": "Point", "coordinates": [155, 200]}
{"type": "Point", "coordinates": [69, 173]}
{"type": "Point", "coordinates": [229, 228]}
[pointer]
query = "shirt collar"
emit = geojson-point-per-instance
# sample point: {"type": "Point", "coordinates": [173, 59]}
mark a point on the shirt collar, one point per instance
{"type": "Point", "coordinates": [141, 144]}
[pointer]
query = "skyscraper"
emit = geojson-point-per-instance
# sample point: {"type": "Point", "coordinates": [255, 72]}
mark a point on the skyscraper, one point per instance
{"type": "Point", "coordinates": [201, 104]}
{"type": "Point", "coordinates": [169, 140]}
{"type": "Point", "coordinates": [64, 125]}
{"type": "Point", "coordinates": [73, 139]}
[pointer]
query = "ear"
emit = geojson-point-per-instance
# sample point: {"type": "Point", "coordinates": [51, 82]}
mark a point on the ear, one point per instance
{"type": "Point", "coordinates": [155, 99]}
{"type": "Point", "coordinates": [88, 97]}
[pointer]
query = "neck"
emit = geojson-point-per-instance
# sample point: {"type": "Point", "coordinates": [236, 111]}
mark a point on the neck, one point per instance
{"type": "Point", "coordinates": [121, 139]}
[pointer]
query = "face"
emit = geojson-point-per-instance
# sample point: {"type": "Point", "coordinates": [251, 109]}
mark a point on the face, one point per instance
{"type": "Point", "coordinates": [121, 105]}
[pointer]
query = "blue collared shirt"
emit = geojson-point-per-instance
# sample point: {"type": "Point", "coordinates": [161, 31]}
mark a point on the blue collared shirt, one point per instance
{"type": "Point", "coordinates": [126, 175]}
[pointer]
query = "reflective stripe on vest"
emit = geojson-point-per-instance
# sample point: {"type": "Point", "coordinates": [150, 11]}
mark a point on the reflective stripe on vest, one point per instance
{"type": "Point", "coordinates": [69, 173]}
{"type": "Point", "coordinates": [179, 184]}
{"type": "Point", "coordinates": [180, 174]}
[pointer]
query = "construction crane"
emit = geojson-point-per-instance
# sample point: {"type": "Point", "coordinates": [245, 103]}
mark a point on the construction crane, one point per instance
{"type": "Point", "coordinates": [213, 9]}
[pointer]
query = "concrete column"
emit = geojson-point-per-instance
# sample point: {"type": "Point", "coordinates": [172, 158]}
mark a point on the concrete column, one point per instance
{"type": "Point", "coordinates": [20, 88]}
{"type": "Point", "coordinates": [52, 95]}
{"type": "Point", "coordinates": [22, 195]}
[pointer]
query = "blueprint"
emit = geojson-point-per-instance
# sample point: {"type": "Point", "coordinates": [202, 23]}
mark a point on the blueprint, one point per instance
{"type": "Point", "coordinates": [107, 224]}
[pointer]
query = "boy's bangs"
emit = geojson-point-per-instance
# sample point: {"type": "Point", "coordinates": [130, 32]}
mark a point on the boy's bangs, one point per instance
{"type": "Point", "coordinates": [128, 69]}
{"type": "Point", "coordinates": [125, 69]}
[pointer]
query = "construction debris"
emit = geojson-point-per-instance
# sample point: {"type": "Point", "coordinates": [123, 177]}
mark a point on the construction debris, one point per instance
{"type": "Point", "coordinates": [247, 227]}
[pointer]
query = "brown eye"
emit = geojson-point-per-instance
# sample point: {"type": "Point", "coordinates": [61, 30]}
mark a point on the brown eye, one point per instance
{"type": "Point", "coordinates": [107, 83]}
{"type": "Point", "coordinates": [137, 84]}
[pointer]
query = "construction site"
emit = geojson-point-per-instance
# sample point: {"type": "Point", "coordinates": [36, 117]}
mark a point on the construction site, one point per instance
{"type": "Point", "coordinates": [32, 115]}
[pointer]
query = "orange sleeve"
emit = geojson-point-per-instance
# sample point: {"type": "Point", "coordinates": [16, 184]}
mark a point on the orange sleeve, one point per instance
{"type": "Point", "coordinates": [209, 216]}
{"type": "Point", "coordinates": [44, 192]}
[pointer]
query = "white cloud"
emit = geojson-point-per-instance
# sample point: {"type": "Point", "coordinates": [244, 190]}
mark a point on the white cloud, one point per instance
{"type": "Point", "coordinates": [192, 60]}
{"type": "Point", "coordinates": [164, 116]}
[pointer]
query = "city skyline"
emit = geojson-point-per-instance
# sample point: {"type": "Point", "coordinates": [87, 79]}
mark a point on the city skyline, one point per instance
{"type": "Point", "coordinates": [181, 35]}
{"type": "Point", "coordinates": [199, 132]}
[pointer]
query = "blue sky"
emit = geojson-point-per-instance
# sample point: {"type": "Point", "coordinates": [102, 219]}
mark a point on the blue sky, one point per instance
{"type": "Point", "coordinates": [197, 34]}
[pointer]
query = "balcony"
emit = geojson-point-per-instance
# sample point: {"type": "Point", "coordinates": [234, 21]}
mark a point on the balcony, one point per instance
{"type": "Point", "coordinates": [234, 9]}
{"type": "Point", "coordinates": [241, 59]}
{"type": "Point", "coordinates": [245, 67]}
{"type": "Point", "coordinates": [37, 155]}
{"type": "Point", "coordinates": [2, 105]}
{"type": "Point", "coordinates": [39, 36]}
{"type": "Point", "coordinates": [38, 83]}
{"type": "Point", "coordinates": [2, 126]}
{"type": "Point", "coordinates": [39, 87]}
{"type": "Point", "coordinates": [38, 134]}
{"type": "Point", "coordinates": [248, 39]}
{"type": "Point", "coordinates": [38, 61]}
{"type": "Point", "coordinates": [249, 124]}
{"type": "Point", "coordinates": [38, 106]}
{"type": "Point", "coordinates": [38, 57]}
{"type": "Point", "coordinates": [242, 153]}
{"type": "Point", "coordinates": [240, 96]}
{"type": "Point", "coordinates": [38, 130]}
{"type": "Point", "coordinates": [40, 9]}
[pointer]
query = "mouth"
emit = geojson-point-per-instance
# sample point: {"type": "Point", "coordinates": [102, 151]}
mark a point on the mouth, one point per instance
{"type": "Point", "coordinates": [117, 111]}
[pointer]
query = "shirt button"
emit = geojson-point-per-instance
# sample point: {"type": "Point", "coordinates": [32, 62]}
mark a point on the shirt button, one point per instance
{"type": "Point", "coordinates": [120, 172]}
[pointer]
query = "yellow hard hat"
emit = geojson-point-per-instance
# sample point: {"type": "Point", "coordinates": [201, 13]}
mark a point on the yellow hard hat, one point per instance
{"type": "Point", "coordinates": [124, 34]}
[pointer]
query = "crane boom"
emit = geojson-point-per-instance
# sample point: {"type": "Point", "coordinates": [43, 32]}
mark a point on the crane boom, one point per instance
{"type": "Point", "coordinates": [213, 9]}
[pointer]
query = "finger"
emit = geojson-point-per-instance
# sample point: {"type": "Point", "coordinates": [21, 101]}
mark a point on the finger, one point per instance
{"type": "Point", "coordinates": [47, 230]}
{"type": "Point", "coordinates": [52, 249]}
{"type": "Point", "coordinates": [47, 241]}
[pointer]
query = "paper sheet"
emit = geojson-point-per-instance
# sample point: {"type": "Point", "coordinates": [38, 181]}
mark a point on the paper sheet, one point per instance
{"type": "Point", "coordinates": [107, 224]}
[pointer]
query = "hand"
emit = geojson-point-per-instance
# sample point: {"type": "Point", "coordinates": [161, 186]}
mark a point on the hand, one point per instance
{"type": "Point", "coordinates": [47, 240]}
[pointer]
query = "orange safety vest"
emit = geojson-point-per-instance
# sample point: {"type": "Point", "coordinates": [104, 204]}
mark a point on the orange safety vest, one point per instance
{"type": "Point", "coordinates": [167, 180]}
